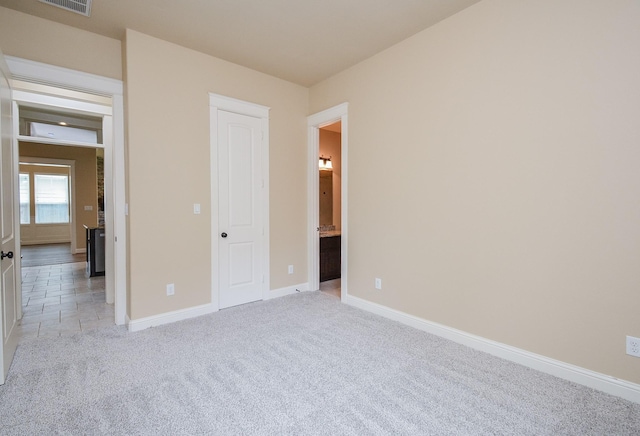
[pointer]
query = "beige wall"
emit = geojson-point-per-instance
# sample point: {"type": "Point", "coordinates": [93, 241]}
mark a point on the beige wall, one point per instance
{"type": "Point", "coordinates": [168, 161]}
{"type": "Point", "coordinates": [500, 150]}
{"type": "Point", "coordinates": [329, 146]}
{"type": "Point", "coordinates": [500, 146]}
{"type": "Point", "coordinates": [36, 39]}
{"type": "Point", "coordinates": [86, 189]}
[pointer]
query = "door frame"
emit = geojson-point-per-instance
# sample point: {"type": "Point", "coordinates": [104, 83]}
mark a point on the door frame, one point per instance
{"type": "Point", "coordinates": [113, 140]}
{"type": "Point", "coordinates": [72, 190]}
{"type": "Point", "coordinates": [217, 103]}
{"type": "Point", "coordinates": [314, 123]}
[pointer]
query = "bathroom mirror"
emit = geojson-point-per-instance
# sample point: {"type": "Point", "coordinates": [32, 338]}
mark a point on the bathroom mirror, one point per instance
{"type": "Point", "coordinates": [326, 198]}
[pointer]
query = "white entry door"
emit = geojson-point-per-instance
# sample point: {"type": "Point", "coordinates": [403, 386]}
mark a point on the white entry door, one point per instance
{"type": "Point", "coordinates": [9, 297]}
{"type": "Point", "coordinates": [240, 223]}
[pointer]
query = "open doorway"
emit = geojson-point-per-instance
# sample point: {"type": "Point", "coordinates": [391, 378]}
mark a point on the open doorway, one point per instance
{"type": "Point", "coordinates": [330, 207]}
{"type": "Point", "coordinates": [61, 179]}
{"type": "Point", "coordinates": [334, 122]}
{"type": "Point", "coordinates": [61, 176]}
{"type": "Point", "coordinates": [47, 211]}
{"type": "Point", "coordinates": [54, 88]}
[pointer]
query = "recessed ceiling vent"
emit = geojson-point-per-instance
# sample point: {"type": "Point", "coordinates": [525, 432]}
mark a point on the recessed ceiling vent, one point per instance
{"type": "Point", "coordinates": [82, 7]}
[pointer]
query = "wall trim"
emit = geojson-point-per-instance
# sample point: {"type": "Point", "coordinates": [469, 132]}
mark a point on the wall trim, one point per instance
{"type": "Point", "coordinates": [38, 72]}
{"type": "Point", "coordinates": [135, 325]}
{"type": "Point", "coordinates": [237, 106]}
{"type": "Point", "coordinates": [602, 382]}
{"type": "Point", "coordinates": [193, 312]}
{"type": "Point", "coordinates": [287, 290]}
{"type": "Point", "coordinates": [44, 241]}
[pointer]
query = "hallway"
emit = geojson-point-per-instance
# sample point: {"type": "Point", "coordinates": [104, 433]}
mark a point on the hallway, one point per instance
{"type": "Point", "coordinates": [58, 300]}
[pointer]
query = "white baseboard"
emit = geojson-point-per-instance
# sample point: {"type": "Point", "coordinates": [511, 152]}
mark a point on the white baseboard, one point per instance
{"type": "Point", "coordinates": [192, 312]}
{"type": "Point", "coordinates": [275, 293]}
{"type": "Point", "coordinates": [169, 317]}
{"type": "Point", "coordinates": [611, 385]}
{"type": "Point", "coordinates": [45, 241]}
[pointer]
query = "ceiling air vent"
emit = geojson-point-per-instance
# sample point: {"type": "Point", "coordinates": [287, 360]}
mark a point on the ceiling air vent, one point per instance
{"type": "Point", "coordinates": [82, 7]}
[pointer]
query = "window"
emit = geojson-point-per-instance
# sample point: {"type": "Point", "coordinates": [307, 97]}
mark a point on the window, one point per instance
{"type": "Point", "coordinates": [25, 199]}
{"type": "Point", "coordinates": [51, 198]}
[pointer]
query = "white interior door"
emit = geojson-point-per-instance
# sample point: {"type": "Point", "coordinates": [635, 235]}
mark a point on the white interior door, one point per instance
{"type": "Point", "coordinates": [239, 209]}
{"type": "Point", "coordinates": [9, 282]}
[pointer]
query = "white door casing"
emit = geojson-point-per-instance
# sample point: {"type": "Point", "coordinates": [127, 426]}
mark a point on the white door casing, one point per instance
{"type": "Point", "coordinates": [114, 164]}
{"type": "Point", "coordinates": [239, 201]}
{"type": "Point", "coordinates": [10, 296]}
{"type": "Point", "coordinates": [314, 123]}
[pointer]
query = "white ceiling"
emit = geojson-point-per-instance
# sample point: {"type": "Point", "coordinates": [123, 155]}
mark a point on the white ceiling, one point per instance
{"type": "Point", "coordinates": [302, 41]}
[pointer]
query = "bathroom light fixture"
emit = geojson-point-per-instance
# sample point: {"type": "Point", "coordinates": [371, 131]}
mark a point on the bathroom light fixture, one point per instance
{"type": "Point", "coordinates": [325, 163]}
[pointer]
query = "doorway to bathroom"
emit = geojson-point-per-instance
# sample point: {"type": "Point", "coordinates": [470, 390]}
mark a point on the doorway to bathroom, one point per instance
{"type": "Point", "coordinates": [329, 207]}
{"type": "Point", "coordinates": [327, 201]}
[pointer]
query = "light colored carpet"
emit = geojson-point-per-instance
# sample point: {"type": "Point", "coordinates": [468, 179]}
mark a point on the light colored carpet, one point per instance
{"type": "Point", "coordinates": [303, 364]}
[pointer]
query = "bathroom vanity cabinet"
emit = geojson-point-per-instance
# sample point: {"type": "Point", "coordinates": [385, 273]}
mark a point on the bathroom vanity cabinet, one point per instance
{"type": "Point", "coordinates": [329, 257]}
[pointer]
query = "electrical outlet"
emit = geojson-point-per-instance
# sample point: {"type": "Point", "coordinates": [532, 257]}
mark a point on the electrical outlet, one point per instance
{"type": "Point", "coordinates": [171, 289]}
{"type": "Point", "coordinates": [633, 346]}
{"type": "Point", "coordinates": [290, 269]}
{"type": "Point", "coordinates": [378, 283]}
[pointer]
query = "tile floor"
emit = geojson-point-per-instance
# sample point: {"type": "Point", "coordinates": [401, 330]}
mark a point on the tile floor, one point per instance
{"type": "Point", "coordinates": [331, 287]}
{"type": "Point", "coordinates": [58, 300]}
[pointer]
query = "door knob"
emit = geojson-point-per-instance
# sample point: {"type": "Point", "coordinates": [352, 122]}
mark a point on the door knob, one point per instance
{"type": "Point", "coordinates": [8, 254]}
{"type": "Point", "coordinates": [223, 234]}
